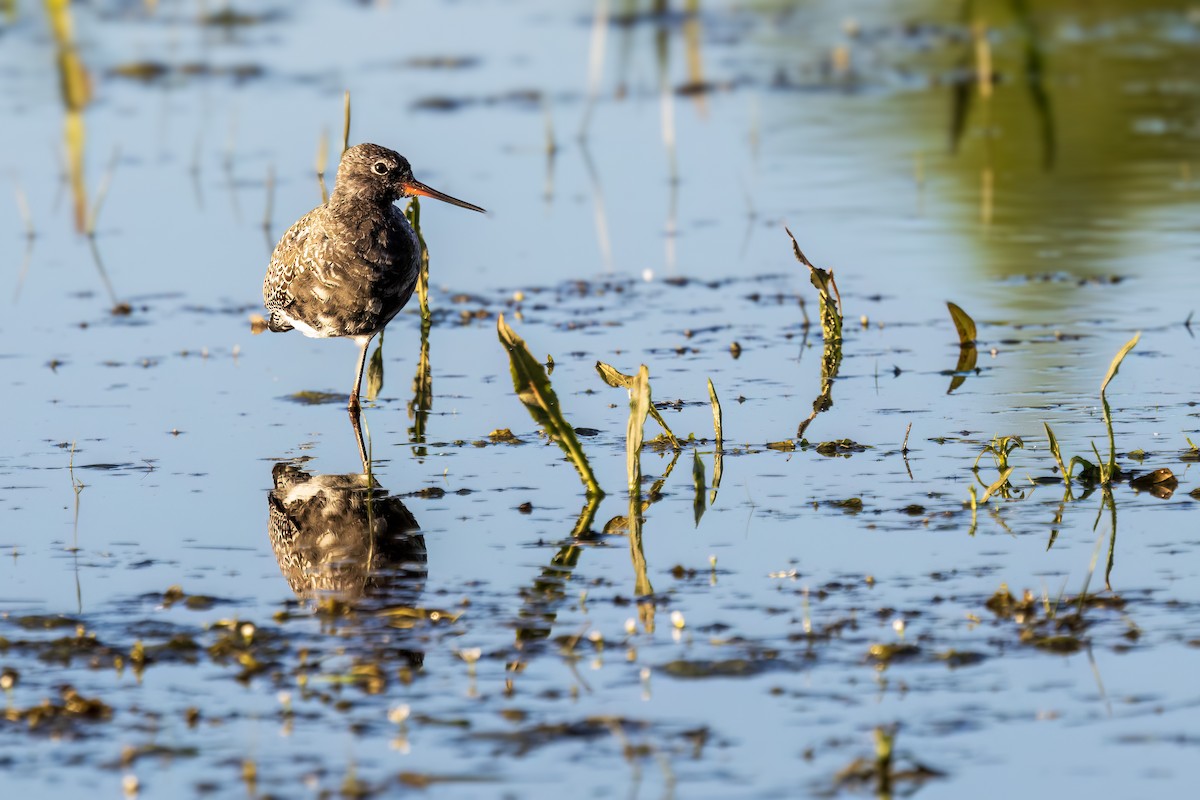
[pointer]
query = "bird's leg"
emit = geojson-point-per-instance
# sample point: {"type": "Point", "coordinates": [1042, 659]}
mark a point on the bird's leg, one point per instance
{"type": "Point", "coordinates": [363, 343]}
{"type": "Point", "coordinates": [362, 447]}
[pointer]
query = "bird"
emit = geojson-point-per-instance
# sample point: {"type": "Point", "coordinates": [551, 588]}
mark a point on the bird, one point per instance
{"type": "Point", "coordinates": [343, 536]}
{"type": "Point", "coordinates": [347, 267]}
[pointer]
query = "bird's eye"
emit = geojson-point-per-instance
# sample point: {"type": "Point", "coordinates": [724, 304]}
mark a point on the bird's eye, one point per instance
{"type": "Point", "coordinates": [381, 168]}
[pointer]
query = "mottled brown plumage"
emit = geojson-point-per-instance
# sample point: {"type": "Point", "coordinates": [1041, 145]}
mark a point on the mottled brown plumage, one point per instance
{"type": "Point", "coordinates": [348, 266]}
{"type": "Point", "coordinates": [343, 536]}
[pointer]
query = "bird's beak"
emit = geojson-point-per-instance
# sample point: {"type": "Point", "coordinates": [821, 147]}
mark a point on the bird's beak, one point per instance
{"type": "Point", "coordinates": [416, 187]}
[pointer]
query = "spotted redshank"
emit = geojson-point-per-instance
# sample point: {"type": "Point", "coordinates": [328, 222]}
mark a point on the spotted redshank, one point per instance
{"type": "Point", "coordinates": [343, 536]}
{"type": "Point", "coordinates": [347, 267]}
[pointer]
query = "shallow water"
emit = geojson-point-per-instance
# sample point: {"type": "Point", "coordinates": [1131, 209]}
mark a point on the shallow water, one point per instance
{"type": "Point", "coordinates": [140, 448]}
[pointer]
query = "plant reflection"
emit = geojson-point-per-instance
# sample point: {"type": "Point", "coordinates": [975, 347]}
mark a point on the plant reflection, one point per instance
{"type": "Point", "coordinates": [1106, 501]}
{"type": "Point", "coordinates": [548, 591]}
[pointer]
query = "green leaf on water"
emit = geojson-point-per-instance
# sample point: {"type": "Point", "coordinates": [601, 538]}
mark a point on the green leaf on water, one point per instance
{"type": "Point", "coordinates": [413, 214]}
{"type": "Point", "coordinates": [346, 121]}
{"type": "Point", "coordinates": [1054, 451]}
{"type": "Point", "coordinates": [830, 297]}
{"type": "Point", "coordinates": [963, 324]}
{"type": "Point", "coordinates": [533, 387]}
{"type": "Point", "coordinates": [619, 380]}
{"type": "Point", "coordinates": [1117, 359]}
{"type": "Point", "coordinates": [716, 409]}
{"type": "Point", "coordinates": [639, 407]}
{"type": "Point", "coordinates": [1109, 470]}
{"type": "Point", "coordinates": [613, 377]}
{"type": "Point", "coordinates": [831, 332]}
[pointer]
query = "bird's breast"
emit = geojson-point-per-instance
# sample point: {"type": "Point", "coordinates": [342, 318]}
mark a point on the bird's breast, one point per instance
{"type": "Point", "coordinates": [351, 273]}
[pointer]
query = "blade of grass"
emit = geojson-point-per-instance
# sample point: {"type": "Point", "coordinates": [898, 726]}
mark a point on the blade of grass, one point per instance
{"type": "Point", "coordinates": [346, 121]}
{"type": "Point", "coordinates": [639, 405]}
{"type": "Point", "coordinates": [619, 380]}
{"type": "Point", "coordinates": [533, 388]}
{"type": "Point", "coordinates": [1117, 359]}
{"type": "Point", "coordinates": [999, 484]}
{"type": "Point", "coordinates": [323, 162]}
{"type": "Point", "coordinates": [963, 324]}
{"type": "Point", "coordinates": [719, 452]}
{"type": "Point", "coordinates": [1110, 469]}
{"type": "Point", "coordinates": [830, 297]}
{"type": "Point", "coordinates": [830, 303]}
{"type": "Point", "coordinates": [716, 409]}
{"type": "Point", "coordinates": [1054, 451]}
{"type": "Point", "coordinates": [413, 213]}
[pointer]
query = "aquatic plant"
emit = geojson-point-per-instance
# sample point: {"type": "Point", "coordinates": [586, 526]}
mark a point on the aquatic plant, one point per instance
{"type": "Point", "coordinates": [963, 324]}
{"type": "Point", "coordinates": [1000, 447]}
{"type": "Point", "coordinates": [831, 332]}
{"type": "Point", "coordinates": [619, 380]}
{"type": "Point", "coordinates": [639, 407]}
{"type": "Point", "coordinates": [1109, 468]}
{"type": "Point", "coordinates": [533, 388]}
{"type": "Point", "coordinates": [413, 214]}
{"type": "Point", "coordinates": [719, 448]}
{"type": "Point", "coordinates": [968, 352]}
{"type": "Point", "coordinates": [1103, 471]}
{"type": "Point", "coordinates": [322, 162]}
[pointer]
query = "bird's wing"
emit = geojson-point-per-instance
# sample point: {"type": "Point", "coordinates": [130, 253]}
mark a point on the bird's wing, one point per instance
{"type": "Point", "coordinates": [301, 247]}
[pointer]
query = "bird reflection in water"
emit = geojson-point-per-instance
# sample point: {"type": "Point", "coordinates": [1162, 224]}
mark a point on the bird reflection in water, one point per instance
{"type": "Point", "coordinates": [343, 538]}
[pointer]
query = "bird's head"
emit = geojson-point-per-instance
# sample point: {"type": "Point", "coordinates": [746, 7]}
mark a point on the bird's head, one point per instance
{"type": "Point", "coordinates": [371, 171]}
